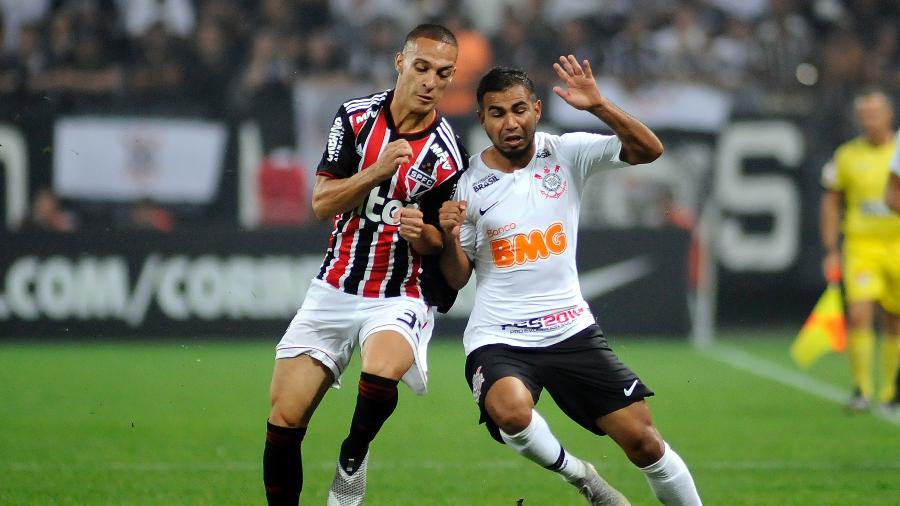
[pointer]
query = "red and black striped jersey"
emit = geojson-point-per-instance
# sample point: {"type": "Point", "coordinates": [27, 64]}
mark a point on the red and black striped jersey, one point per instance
{"type": "Point", "coordinates": [366, 255]}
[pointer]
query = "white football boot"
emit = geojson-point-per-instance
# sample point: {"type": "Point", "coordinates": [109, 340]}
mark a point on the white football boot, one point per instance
{"type": "Point", "coordinates": [348, 489]}
{"type": "Point", "coordinates": [596, 490]}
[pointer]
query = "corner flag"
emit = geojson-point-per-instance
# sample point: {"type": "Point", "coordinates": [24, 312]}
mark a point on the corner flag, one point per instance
{"type": "Point", "coordinates": [823, 331]}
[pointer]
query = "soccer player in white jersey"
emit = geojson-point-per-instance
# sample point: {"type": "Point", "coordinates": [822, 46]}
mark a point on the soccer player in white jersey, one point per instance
{"type": "Point", "coordinates": [390, 162]}
{"type": "Point", "coordinates": [514, 220]}
{"type": "Point", "coordinates": [892, 197]}
{"type": "Point", "coordinates": [893, 190]}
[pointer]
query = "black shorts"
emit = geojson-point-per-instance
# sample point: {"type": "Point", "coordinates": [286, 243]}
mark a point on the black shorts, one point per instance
{"type": "Point", "coordinates": [582, 374]}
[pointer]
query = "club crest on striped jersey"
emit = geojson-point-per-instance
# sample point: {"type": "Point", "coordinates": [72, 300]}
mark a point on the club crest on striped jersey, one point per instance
{"type": "Point", "coordinates": [419, 179]}
{"type": "Point", "coordinates": [553, 186]}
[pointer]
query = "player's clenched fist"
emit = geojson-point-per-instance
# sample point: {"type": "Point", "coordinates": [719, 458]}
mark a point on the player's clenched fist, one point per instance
{"type": "Point", "coordinates": [395, 154]}
{"type": "Point", "coordinates": [451, 216]}
{"type": "Point", "coordinates": [411, 222]}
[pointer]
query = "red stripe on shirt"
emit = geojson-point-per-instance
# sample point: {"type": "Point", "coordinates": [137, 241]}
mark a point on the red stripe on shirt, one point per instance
{"type": "Point", "coordinates": [333, 277]}
{"type": "Point", "coordinates": [374, 142]}
{"type": "Point", "coordinates": [412, 283]}
{"type": "Point", "coordinates": [380, 263]}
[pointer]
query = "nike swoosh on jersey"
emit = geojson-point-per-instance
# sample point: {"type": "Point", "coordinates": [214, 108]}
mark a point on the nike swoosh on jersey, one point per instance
{"type": "Point", "coordinates": [630, 390]}
{"type": "Point", "coordinates": [488, 208]}
{"type": "Point", "coordinates": [608, 278]}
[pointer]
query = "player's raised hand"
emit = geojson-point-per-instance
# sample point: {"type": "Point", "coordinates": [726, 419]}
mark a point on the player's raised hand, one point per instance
{"type": "Point", "coordinates": [395, 154]}
{"type": "Point", "coordinates": [411, 222]}
{"type": "Point", "coordinates": [451, 215]}
{"type": "Point", "coordinates": [581, 90]}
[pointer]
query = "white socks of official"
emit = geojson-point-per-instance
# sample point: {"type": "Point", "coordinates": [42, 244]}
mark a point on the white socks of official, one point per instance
{"type": "Point", "coordinates": [671, 481]}
{"type": "Point", "coordinates": [539, 445]}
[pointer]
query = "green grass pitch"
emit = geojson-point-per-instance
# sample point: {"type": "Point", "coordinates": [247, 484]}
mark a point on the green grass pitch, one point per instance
{"type": "Point", "coordinates": [182, 422]}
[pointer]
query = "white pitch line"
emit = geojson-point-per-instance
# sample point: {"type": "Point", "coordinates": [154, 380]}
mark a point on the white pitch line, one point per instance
{"type": "Point", "coordinates": [170, 467]}
{"type": "Point", "coordinates": [744, 361]}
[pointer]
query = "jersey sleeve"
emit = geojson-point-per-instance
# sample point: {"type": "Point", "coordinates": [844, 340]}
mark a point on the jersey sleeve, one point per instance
{"type": "Point", "coordinates": [833, 172]}
{"type": "Point", "coordinates": [339, 160]}
{"type": "Point", "coordinates": [589, 153]}
{"type": "Point", "coordinates": [829, 178]}
{"type": "Point", "coordinates": [431, 201]}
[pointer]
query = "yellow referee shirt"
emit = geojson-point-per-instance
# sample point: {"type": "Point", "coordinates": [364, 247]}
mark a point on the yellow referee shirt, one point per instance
{"type": "Point", "coordinates": [860, 171]}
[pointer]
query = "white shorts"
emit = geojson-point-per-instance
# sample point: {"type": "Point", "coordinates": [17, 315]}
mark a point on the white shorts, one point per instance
{"type": "Point", "coordinates": [331, 323]}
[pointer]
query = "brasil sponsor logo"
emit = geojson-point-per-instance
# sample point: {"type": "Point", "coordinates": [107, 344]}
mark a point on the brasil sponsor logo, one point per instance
{"type": "Point", "coordinates": [484, 182]}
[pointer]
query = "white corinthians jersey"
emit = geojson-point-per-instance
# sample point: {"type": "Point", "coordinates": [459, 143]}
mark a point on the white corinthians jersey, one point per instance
{"type": "Point", "coordinates": [521, 231]}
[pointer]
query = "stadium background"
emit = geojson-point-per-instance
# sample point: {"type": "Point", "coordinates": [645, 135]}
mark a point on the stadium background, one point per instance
{"type": "Point", "coordinates": [156, 161]}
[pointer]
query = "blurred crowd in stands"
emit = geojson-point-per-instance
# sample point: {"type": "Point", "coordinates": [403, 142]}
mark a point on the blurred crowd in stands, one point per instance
{"type": "Point", "coordinates": [230, 59]}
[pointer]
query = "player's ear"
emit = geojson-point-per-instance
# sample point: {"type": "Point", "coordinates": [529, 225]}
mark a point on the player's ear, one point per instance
{"type": "Point", "coordinates": [538, 106]}
{"type": "Point", "coordinates": [398, 62]}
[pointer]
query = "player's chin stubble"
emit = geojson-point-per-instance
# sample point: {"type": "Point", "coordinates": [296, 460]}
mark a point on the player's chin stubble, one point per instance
{"type": "Point", "coordinates": [516, 154]}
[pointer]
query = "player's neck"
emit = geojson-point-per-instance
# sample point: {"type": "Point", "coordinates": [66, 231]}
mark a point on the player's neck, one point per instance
{"type": "Point", "coordinates": [879, 138]}
{"type": "Point", "coordinates": [498, 161]}
{"type": "Point", "coordinates": [407, 121]}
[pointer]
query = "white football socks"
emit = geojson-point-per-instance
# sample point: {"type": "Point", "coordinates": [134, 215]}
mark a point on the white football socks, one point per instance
{"type": "Point", "coordinates": [671, 481]}
{"type": "Point", "coordinates": [538, 444]}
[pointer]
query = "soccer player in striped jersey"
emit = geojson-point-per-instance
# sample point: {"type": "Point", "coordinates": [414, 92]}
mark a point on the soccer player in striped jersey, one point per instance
{"type": "Point", "coordinates": [855, 182]}
{"type": "Point", "coordinates": [514, 222]}
{"type": "Point", "coordinates": [390, 162]}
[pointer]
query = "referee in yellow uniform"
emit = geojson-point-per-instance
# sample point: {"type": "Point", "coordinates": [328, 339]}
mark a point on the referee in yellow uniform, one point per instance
{"type": "Point", "coordinates": [855, 182]}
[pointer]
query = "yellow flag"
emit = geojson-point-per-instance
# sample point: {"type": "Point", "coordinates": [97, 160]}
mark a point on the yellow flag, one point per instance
{"type": "Point", "coordinates": [823, 331]}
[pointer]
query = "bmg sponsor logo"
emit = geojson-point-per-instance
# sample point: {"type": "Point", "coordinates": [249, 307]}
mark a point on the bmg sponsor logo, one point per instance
{"type": "Point", "coordinates": [494, 232]}
{"type": "Point", "coordinates": [528, 247]}
{"type": "Point", "coordinates": [545, 322]}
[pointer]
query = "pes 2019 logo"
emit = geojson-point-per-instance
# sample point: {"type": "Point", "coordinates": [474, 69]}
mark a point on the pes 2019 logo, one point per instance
{"type": "Point", "coordinates": [545, 322]}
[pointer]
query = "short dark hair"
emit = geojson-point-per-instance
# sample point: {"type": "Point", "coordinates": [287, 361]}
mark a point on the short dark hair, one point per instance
{"type": "Point", "coordinates": [503, 78]}
{"type": "Point", "coordinates": [870, 90]}
{"type": "Point", "coordinates": [431, 31]}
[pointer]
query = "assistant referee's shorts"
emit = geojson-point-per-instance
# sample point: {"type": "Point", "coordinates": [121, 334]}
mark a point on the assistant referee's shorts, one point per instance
{"type": "Point", "coordinates": [582, 374]}
{"type": "Point", "coordinates": [872, 271]}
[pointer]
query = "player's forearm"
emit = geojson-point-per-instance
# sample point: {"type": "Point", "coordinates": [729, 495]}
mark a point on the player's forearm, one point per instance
{"type": "Point", "coordinates": [336, 196]}
{"type": "Point", "coordinates": [429, 243]}
{"type": "Point", "coordinates": [639, 143]}
{"type": "Point", "coordinates": [830, 220]}
{"type": "Point", "coordinates": [893, 193]}
{"type": "Point", "coordinates": [455, 265]}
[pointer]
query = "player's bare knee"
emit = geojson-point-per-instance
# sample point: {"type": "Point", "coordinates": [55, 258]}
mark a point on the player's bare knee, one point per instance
{"type": "Point", "coordinates": [511, 413]}
{"type": "Point", "coordinates": [646, 446]}
{"type": "Point", "coordinates": [283, 418]}
{"type": "Point", "coordinates": [513, 420]}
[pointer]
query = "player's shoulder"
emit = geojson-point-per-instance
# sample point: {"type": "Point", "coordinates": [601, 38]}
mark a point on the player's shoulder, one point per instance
{"type": "Point", "coordinates": [851, 148]}
{"type": "Point", "coordinates": [478, 177]}
{"type": "Point", "coordinates": [571, 143]}
{"type": "Point", "coordinates": [366, 103]}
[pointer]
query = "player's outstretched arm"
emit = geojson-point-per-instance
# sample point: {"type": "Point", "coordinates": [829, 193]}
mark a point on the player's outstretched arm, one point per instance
{"type": "Point", "coordinates": [639, 143]}
{"type": "Point", "coordinates": [335, 196]}
{"type": "Point", "coordinates": [830, 231]}
{"type": "Point", "coordinates": [893, 193]}
{"type": "Point", "coordinates": [455, 265]}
